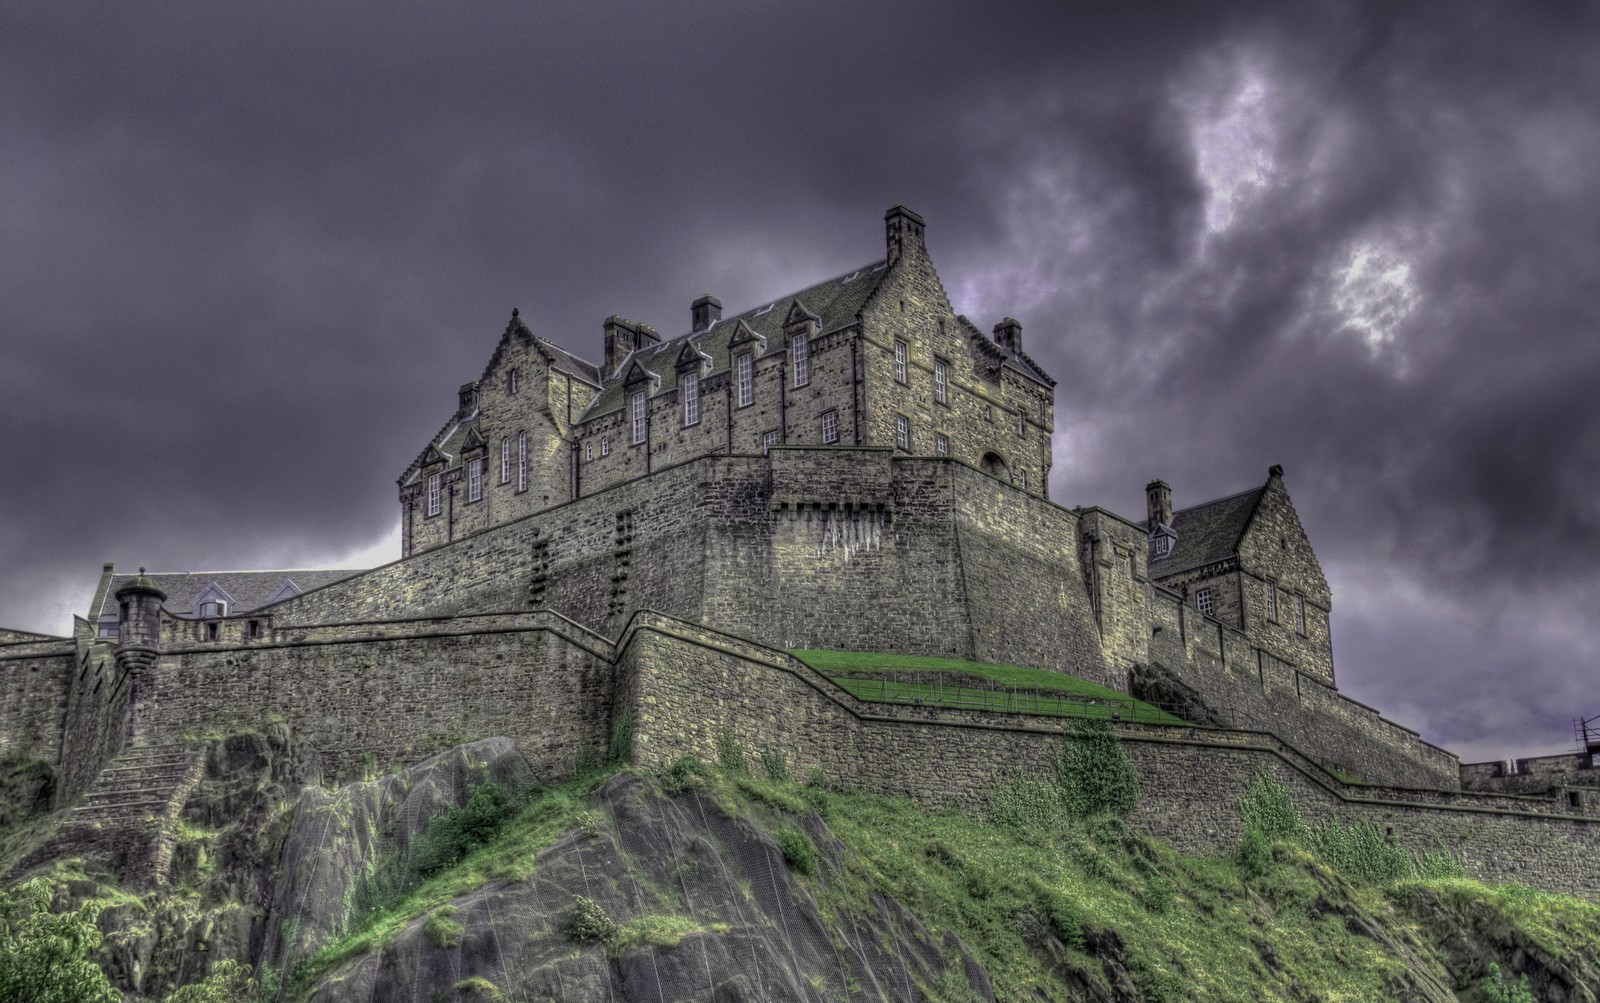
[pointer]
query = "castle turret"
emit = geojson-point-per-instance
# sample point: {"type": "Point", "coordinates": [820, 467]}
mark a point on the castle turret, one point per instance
{"type": "Point", "coordinates": [139, 623]}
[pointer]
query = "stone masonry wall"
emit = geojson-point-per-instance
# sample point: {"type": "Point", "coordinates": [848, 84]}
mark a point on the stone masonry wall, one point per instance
{"type": "Point", "coordinates": [395, 697]}
{"type": "Point", "coordinates": [691, 683]}
{"type": "Point", "coordinates": [96, 718]}
{"type": "Point", "coordinates": [33, 698]}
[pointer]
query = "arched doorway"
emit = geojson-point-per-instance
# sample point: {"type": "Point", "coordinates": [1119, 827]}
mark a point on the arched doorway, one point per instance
{"type": "Point", "coordinates": [993, 464]}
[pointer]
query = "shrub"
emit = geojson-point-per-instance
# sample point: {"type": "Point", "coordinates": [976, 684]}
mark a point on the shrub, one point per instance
{"type": "Point", "coordinates": [1158, 893]}
{"type": "Point", "coordinates": [1269, 808]}
{"type": "Point", "coordinates": [1066, 923]}
{"type": "Point", "coordinates": [798, 850]}
{"type": "Point", "coordinates": [482, 987]}
{"type": "Point", "coordinates": [621, 750]}
{"type": "Point", "coordinates": [1023, 804]}
{"type": "Point", "coordinates": [729, 752]}
{"type": "Point", "coordinates": [774, 764]}
{"type": "Point", "coordinates": [1361, 852]}
{"type": "Point", "coordinates": [1497, 990]}
{"type": "Point", "coordinates": [1096, 775]}
{"type": "Point", "coordinates": [463, 828]}
{"type": "Point", "coordinates": [1255, 853]}
{"type": "Point", "coordinates": [684, 773]}
{"type": "Point", "coordinates": [444, 931]}
{"type": "Point", "coordinates": [589, 922]}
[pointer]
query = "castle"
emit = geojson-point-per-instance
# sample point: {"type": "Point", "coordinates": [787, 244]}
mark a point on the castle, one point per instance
{"type": "Point", "coordinates": [644, 540]}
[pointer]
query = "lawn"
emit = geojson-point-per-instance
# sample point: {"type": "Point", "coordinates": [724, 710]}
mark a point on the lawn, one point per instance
{"type": "Point", "coordinates": [952, 682]}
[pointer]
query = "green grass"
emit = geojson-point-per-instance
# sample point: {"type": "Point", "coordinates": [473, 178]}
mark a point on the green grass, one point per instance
{"type": "Point", "coordinates": [976, 685]}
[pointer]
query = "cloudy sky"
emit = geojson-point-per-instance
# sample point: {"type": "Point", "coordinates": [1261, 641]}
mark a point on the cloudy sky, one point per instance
{"type": "Point", "coordinates": [247, 258]}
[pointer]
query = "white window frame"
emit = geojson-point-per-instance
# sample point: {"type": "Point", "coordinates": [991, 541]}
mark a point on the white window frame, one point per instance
{"type": "Point", "coordinates": [1272, 601]}
{"type": "Point", "coordinates": [605, 445]}
{"type": "Point", "coordinates": [830, 427]}
{"type": "Point", "coordinates": [1300, 614]}
{"type": "Point", "coordinates": [1205, 602]}
{"type": "Point", "coordinates": [522, 461]}
{"type": "Point", "coordinates": [941, 382]}
{"type": "Point", "coordinates": [434, 504]}
{"type": "Point", "coordinates": [514, 378]}
{"type": "Point", "coordinates": [902, 432]}
{"type": "Point", "coordinates": [901, 367]}
{"type": "Point", "coordinates": [691, 399]}
{"type": "Point", "coordinates": [769, 439]}
{"type": "Point", "coordinates": [802, 360]}
{"type": "Point", "coordinates": [746, 374]}
{"type": "Point", "coordinates": [505, 459]}
{"type": "Point", "coordinates": [637, 412]}
{"type": "Point", "coordinates": [941, 444]}
{"type": "Point", "coordinates": [588, 451]}
{"type": "Point", "coordinates": [475, 480]}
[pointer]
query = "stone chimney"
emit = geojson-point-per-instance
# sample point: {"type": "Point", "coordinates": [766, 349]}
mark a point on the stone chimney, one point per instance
{"type": "Point", "coordinates": [623, 337]}
{"type": "Point", "coordinates": [468, 396]}
{"type": "Point", "coordinates": [1008, 335]}
{"type": "Point", "coordinates": [904, 232]}
{"type": "Point", "coordinates": [1158, 507]}
{"type": "Point", "coordinates": [704, 312]}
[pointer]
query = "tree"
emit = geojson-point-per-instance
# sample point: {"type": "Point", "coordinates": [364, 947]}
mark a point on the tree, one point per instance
{"type": "Point", "coordinates": [44, 955]}
{"type": "Point", "coordinates": [229, 982]}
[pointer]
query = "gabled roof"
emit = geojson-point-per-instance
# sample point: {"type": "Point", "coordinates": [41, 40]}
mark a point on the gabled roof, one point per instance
{"type": "Point", "coordinates": [999, 355]}
{"type": "Point", "coordinates": [248, 589]}
{"type": "Point", "coordinates": [835, 302]}
{"type": "Point", "coordinates": [1207, 532]}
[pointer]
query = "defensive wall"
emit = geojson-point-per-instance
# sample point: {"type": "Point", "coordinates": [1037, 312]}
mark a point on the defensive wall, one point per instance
{"type": "Point", "coordinates": [1534, 775]}
{"type": "Point", "coordinates": [35, 674]}
{"type": "Point", "coordinates": [687, 683]}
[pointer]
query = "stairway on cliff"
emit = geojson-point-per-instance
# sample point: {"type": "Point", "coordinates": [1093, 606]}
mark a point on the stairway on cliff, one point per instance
{"type": "Point", "coordinates": [129, 818]}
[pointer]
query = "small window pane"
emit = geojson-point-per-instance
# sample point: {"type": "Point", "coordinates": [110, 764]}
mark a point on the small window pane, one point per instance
{"type": "Point", "coordinates": [638, 417]}
{"type": "Point", "coordinates": [902, 432]}
{"type": "Point", "coordinates": [475, 480]}
{"type": "Point", "coordinates": [691, 398]}
{"type": "Point", "coordinates": [747, 390]}
{"type": "Point", "coordinates": [802, 361]}
{"type": "Point", "coordinates": [830, 426]}
{"type": "Point", "coordinates": [900, 361]}
{"type": "Point", "coordinates": [941, 444]}
{"type": "Point", "coordinates": [433, 494]}
{"type": "Point", "coordinates": [941, 379]}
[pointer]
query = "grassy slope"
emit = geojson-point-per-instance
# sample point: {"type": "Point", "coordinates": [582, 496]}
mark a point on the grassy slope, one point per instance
{"type": "Point", "coordinates": [868, 675]}
{"type": "Point", "coordinates": [1190, 927]}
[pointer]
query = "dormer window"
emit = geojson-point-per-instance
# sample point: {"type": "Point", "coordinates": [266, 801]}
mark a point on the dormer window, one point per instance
{"type": "Point", "coordinates": [475, 480]}
{"type": "Point", "coordinates": [213, 608]}
{"type": "Point", "coordinates": [1160, 545]}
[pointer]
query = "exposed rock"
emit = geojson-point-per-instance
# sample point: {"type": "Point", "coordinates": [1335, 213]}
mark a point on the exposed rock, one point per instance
{"type": "Point", "coordinates": [1155, 684]}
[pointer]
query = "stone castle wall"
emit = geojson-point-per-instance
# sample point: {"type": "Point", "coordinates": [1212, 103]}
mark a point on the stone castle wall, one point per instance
{"type": "Point", "coordinates": [35, 676]}
{"type": "Point", "coordinates": [1190, 779]}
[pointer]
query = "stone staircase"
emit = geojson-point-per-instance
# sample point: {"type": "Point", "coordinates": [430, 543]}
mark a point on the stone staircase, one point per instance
{"type": "Point", "coordinates": [128, 820]}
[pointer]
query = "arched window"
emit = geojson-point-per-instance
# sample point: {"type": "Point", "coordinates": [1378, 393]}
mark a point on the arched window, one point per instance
{"type": "Point", "coordinates": [993, 464]}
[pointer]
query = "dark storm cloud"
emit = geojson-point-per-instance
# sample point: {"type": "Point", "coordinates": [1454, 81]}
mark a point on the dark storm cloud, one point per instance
{"type": "Point", "coordinates": [247, 256]}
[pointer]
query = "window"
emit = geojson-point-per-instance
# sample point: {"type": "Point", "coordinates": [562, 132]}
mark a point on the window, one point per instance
{"type": "Point", "coordinates": [902, 432]}
{"type": "Point", "coordinates": [215, 607]}
{"type": "Point", "coordinates": [1573, 801]}
{"type": "Point", "coordinates": [1272, 601]}
{"type": "Point", "coordinates": [433, 494]}
{"type": "Point", "coordinates": [1300, 613]}
{"type": "Point", "coordinates": [988, 413]}
{"type": "Point", "coordinates": [1024, 479]}
{"type": "Point", "coordinates": [588, 451]}
{"type": "Point", "coordinates": [475, 480]}
{"type": "Point", "coordinates": [522, 461]}
{"type": "Point", "coordinates": [255, 628]}
{"type": "Point", "coordinates": [1204, 602]}
{"type": "Point", "coordinates": [802, 361]}
{"type": "Point", "coordinates": [900, 362]}
{"type": "Point", "coordinates": [769, 439]}
{"type": "Point", "coordinates": [747, 389]}
{"type": "Point", "coordinates": [941, 382]}
{"type": "Point", "coordinates": [505, 460]}
{"type": "Point", "coordinates": [1160, 546]}
{"type": "Point", "coordinates": [691, 398]}
{"type": "Point", "coordinates": [1022, 425]}
{"type": "Point", "coordinates": [512, 379]}
{"type": "Point", "coordinates": [638, 417]}
{"type": "Point", "coordinates": [108, 630]}
{"type": "Point", "coordinates": [213, 631]}
{"type": "Point", "coordinates": [605, 445]}
{"type": "Point", "coordinates": [830, 426]}
{"type": "Point", "coordinates": [941, 444]}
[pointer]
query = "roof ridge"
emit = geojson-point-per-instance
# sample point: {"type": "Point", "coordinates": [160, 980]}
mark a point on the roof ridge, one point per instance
{"type": "Point", "coordinates": [1218, 501]}
{"type": "Point", "coordinates": [728, 318]}
{"type": "Point", "coordinates": [238, 571]}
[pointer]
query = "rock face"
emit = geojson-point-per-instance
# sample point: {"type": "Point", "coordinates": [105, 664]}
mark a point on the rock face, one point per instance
{"type": "Point", "coordinates": [714, 892]}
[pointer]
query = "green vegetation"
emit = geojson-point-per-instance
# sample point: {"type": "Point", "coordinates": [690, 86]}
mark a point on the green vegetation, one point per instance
{"type": "Point", "coordinates": [229, 982]}
{"type": "Point", "coordinates": [798, 850]}
{"type": "Point", "coordinates": [951, 682]}
{"type": "Point", "coordinates": [45, 955]}
{"type": "Point", "coordinates": [1497, 990]}
{"type": "Point", "coordinates": [589, 922]}
{"type": "Point", "coordinates": [1096, 775]}
{"type": "Point", "coordinates": [442, 929]}
{"type": "Point", "coordinates": [495, 840]}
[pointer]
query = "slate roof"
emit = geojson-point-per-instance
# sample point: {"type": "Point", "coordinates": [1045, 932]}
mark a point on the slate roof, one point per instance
{"type": "Point", "coordinates": [249, 589]}
{"type": "Point", "coordinates": [835, 302]}
{"type": "Point", "coordinates": [1207, 532]}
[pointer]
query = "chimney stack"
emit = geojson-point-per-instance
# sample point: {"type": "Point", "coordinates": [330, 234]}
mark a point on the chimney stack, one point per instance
{"type": "Point", "coordinates": [903, 232]}
{"type": "Point", "coordinates": [704, 312]}
{"type": "Point", "coordinates": [622, 338]}
{"type": "Point", "coordinates": [1158, 498]}
{"type": "Point", "coordinates": [1008, 335]}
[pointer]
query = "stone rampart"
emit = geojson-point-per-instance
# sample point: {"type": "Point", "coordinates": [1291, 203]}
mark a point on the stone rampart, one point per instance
{"type": "Point", "coordinates": [98, 695]}
{"type": "Point", "coordinates": [34, 679]}
{"type": "Point", "coordinates": [690, 683]}
{"type": "Point", "coordinates": [393, 692]}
